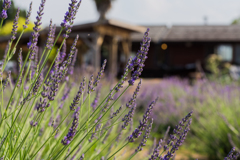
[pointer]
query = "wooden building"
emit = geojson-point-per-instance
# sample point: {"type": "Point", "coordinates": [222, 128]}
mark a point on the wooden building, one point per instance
{"type": "Point", "coordinates": [177, 50]}
{"type": "Point", "coordinates": [174, 50]}
{"type": "Point", "coordinates": [104, 39]}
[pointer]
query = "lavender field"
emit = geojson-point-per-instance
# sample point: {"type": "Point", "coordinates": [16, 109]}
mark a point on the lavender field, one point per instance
{"type": "Point", "coordinates": [53, 110]}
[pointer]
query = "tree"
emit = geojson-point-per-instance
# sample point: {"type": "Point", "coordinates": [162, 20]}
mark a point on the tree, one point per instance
{"type": "Point", "coordinates": [236, 21]}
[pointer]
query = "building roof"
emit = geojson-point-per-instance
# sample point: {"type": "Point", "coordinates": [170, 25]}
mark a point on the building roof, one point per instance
{"type": "Point", "coordinates": [109, 22]}
{"type": "Point", "coordinates": [156, 33]}
{"type": "Point", "coordinates": [89, 27]}
{"type": "Point", "coordinates": [196, 33]}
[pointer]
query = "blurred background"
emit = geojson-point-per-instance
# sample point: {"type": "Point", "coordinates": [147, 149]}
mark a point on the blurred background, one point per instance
{"type": "Point", "coordinates": [193, 61]}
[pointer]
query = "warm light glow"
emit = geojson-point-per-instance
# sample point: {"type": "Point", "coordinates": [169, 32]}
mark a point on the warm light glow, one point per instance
{"type": "Point", "coordinates": [164, 46]}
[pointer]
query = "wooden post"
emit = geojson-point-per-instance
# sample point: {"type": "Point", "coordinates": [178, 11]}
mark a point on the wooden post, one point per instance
{"type": "Point", "coordinates": [127, 45]}
{"type": "Point", "coordinates": [113, 70]}
{"type": "Point", "coordinates": [98, 40]}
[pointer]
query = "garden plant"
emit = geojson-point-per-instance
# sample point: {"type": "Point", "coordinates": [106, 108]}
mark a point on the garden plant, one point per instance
{"type": "Point", "coordinates": [46, 116]}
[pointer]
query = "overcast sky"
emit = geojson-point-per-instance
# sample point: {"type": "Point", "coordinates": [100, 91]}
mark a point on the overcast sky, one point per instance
{"type": "Point", "coordinates": [145, 12]}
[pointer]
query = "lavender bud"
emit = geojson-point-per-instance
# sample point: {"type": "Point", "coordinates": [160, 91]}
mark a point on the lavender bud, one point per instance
{"type": "Point", "coordinates": [82, 157]}
{"type": "Point", "coordinates": [138, 131]}
{"type": "Point", "coordinates": [133, 99]}
{"type": "Point", "coordinates": [51, 35]}
{"type": "Point", "coordinates": [28, 15]}
{"type": "Point", "coordinates": [34, 38]}
{"type": "Point", "coordinates": [15, 25]}
{"type": "Point", "coordinates": [78, 96]}
{"type": "Point", "coordinates": [6, 5]}
{"type": "Point", "coordinates": [33, 124]}
{"type": "Point", "coordinates": [90, 85]}
{"type": "Point", "coordinates": [155, 153]}
{"type": "Point", "coordinates": [95, 83]}
{"type": "Point", "coordinates": [116, 113]}
{"type": "Point", "coordinates": [72, 131]}
{"type": "Point", "coordinates": [1, 72]}
{"type": "Point", "coordinates": [128, 117]}
{"type": "Point", "coordinates": [145, 137]}
{"type": "Point", "coordinates": [140, 58]}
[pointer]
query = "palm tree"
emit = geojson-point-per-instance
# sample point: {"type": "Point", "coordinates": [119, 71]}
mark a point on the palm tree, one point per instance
{"type": "Point", "coordinates": [103, 6]}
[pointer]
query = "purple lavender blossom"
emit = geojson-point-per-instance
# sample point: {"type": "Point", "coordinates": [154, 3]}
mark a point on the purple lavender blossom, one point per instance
{"type": "Point", "coordinates": [66, 94]}
{"type": "Point", "coordinates": [34, 35]}
{"type": "Point", "coordinates": [133, 99]}
{"type": "Point", "coordinates": [143, 123]}
{"type": "Point", "coordinates": [145, 137]}
{"type": "Point", "coordinates": [82, 157]}
{"type": "Point", "coordinates": [63, 52]}
{"type": "Point", "coordinates": [72, 131]}
{"type": "Point", "coordinates": [174, 141]}
{"type": "Point", "coordinates": [71, 68]}
{"type": "Point", "coordinates": [105, 107]}
{"type": "Point", "coordinates": [90, 85]}
{"type": "Point", "coordinates": [96, 81]}
{"type": "Point", "coordinates": [6, 5]}
{"type": "Point", "coordinates": [1, 72]}
{"type": "Point", "coordinates": [140, 58]}
{"type": "Point", "coordinates": [7, 81]}
{"type": "Point", "coordinates": [20, 65]}
{"type": "Point", "coordinates": [37, 84]}
{"type": "Point", "coordinates": [95, 101]}
{"type": "Point", "coordinates": [42, 105]}
{"type": "Point", "coordinates": [124, 76]}
{"type": "Point", "coordinates": [128, 117]}
{"type": "Point", "coordinates": [51, 35]}
{"type": "Point", "coordinates": [58, 76]}
{"type": "Point", "coordinates": [33, 124]}
{"type": "Point", "coordinates": [78, 96]}
{"type": "Point", "coordinates": [231, 154]}
{"type": "Point", "coordinates": [70, 14]}
{"type": "Point", "coordinates": [114, 114]}
{"type": "Point", "coordinates": [15, 25]}
{"type": "Point", "coordinates": [28, 16]}
{"type": "Point", "coordinates": [155, 154]}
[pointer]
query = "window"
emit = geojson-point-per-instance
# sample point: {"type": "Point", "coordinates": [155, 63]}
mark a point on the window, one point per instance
{"type": "Point", "coordinates": [225, 51]}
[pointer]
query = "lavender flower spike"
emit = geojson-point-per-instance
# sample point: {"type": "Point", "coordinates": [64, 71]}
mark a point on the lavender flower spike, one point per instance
{"type": "Point", "coordinates": [143, 123]}
{"type": "Point", "coordinates": [90, 85]}
{"type": "Point", "coordinates": [133, 99]}
{"type": "Point", "coordinates": [15, 25]}
{"type": "Point", "coordinates": [155, 153]}
{"type": "Point", "coordinates": [178, 141]}
{"type": "Point", "coordinates": [140, 58]}
{"type": "Point", "coordinates": [51, 36]}
{"type": "Point", "coordinates": [145, 137]}
{"type": "Point", "coordinates": [95, 101]}
{"type": "Point", "coordinates": [96, 81]}
{"type": "Point", "coordinates": [231, 155]}
{"type": "Point", "coordinates": [78, 96]}
{"type": "Point", "coordinates": [34, 39]}
{"type": "Point", "coordinates": [69, 15]}
{"type": "Point", "coordinates": [6, 5]}
{"type": "Point", "coordinates": [20, 62]}
{"type": "Point", "coordinates": [124, 76]}
{"type": "Point", "coordinates": [72, 131]}
{"type": "Point", "coordinates": [28, 15]}
{"type": "Point", "coordinates": [128, 117]}
{"type": "Point", "coordinates": [1, 72]}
